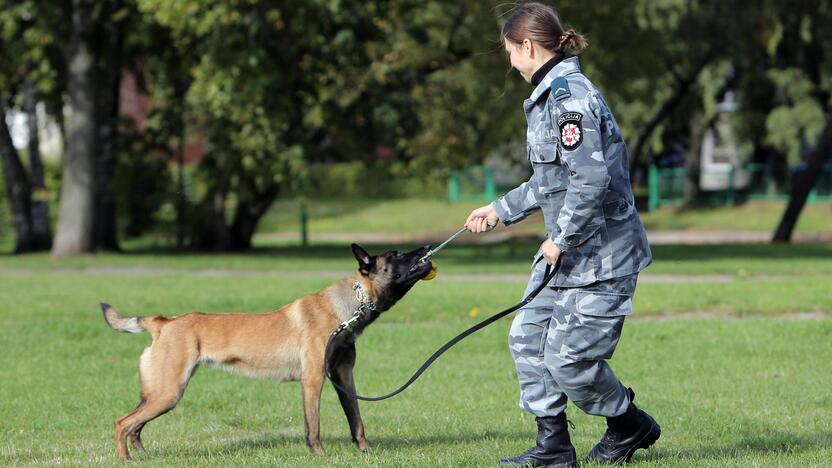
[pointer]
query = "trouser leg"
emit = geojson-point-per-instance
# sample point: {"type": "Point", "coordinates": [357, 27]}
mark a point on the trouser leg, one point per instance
{"type": "Point", "coordinates": [539, 394]}
{"type": "Point", "coordinates": [582, 336]}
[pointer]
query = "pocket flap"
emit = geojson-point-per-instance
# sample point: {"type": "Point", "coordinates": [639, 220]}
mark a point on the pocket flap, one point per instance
{"type": "Point", "coordinates": [543, 152]}
{"type": "Point", "coordinates": [551, 192]}
{"type": "Point", "coordinates": [603, 304]}
{"type": "Point", "coordinates": [618, 209]}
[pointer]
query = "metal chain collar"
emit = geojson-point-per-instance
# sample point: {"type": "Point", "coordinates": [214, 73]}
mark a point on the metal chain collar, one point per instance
{"type": "Point", "coordinates": [365, 304]}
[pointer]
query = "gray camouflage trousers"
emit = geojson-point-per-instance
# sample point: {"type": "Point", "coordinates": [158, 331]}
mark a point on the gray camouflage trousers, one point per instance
{"type": "Point", "coordinates": [561, 341]}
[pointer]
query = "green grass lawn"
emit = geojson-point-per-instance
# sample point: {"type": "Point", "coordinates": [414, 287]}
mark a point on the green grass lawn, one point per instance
{"type": "Point", "coordinates": [732, 375]}
{"type": "Point", "coordinates": [749, 216]}
{"type": "Point", "coordinates": [427, 216]}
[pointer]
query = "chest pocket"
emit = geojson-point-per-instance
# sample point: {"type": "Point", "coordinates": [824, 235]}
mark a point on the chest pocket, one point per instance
{"type": "Point", "coordinates": [543, 152]}
{"type": "Point", "coordinates": [549, 173]}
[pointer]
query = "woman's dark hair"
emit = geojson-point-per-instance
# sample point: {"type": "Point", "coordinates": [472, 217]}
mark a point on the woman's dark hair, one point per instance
{"type": "Point", "coordinates": [541, 24]}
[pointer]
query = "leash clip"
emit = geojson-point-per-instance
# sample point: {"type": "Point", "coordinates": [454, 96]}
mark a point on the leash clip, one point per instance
{"type": "Point", "coordinates": [356, 316]}
{"type": "Point", "coordinates": [427, 256]}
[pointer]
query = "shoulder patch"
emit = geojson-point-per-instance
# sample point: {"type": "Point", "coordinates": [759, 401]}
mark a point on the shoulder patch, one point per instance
{"type": "Point", "coordinates": [571, 131]}
{"type": "Point", "coordinates": [560, 88]}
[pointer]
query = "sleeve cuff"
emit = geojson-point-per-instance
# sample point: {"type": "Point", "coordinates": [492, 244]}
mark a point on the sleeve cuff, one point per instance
{"type": "Point", "coordinates": [501, 212]}
{"type": "Point", "coordinates": [558, 240]}
{"type": "Point", "coordinates": [566, 241]}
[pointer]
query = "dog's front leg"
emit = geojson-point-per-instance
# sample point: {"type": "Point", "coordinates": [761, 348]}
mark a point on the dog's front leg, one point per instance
{"type": "Point", "coordinates": [342, 372]}
{"type": "Point", "coordinates": [312, 380]}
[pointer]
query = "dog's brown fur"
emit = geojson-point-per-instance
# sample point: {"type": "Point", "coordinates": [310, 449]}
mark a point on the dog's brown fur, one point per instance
{"type": "Point", "coordinates": [287, 344]}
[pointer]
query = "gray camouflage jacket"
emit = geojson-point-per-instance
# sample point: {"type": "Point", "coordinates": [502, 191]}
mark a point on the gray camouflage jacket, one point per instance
{"type": "Point", "coordinates": [580, 181]}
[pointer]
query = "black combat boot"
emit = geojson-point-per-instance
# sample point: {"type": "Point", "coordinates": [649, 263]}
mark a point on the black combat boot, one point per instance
{"type": "Point", "coordinates": [625, 434]}
{"type": "Point", "coordinates": [554, 448]}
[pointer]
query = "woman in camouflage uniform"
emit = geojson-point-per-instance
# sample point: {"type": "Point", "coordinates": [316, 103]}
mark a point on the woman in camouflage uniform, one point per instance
{"type": "Point", "coordinates": [561, 341]}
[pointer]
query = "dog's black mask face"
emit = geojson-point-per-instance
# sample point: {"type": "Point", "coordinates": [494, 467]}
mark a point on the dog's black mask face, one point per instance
{"type": "Point", "coordinates": [393, 273]}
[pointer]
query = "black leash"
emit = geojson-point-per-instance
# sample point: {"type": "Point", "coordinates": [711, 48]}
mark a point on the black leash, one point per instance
{"type": "Point", "coordinates": [550, 273]}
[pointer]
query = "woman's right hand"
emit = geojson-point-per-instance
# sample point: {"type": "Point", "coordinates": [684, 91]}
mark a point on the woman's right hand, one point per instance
{"type": "Point", "coordinates": [483, 219]}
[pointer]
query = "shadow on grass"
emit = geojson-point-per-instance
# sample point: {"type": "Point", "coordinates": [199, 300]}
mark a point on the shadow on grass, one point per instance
{"type": "Point", "coordinates": [376, 443]}
{"type": "Point", "coordinates": [776, 442]}
{"type": "Point", "coordinates": [750, 443]}
{"type": "Point", "coordinates": [523, 249]}
{"type": "Point", "coordinates": [741, 251]}
{"type": "Point", "coordinates": [459, 253]}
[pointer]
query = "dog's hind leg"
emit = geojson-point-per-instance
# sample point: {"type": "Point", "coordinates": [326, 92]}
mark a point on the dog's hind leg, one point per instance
{"type": "Point", "coordinates": [165, 369]}
{"type": "Point", "coordinates": [136, 438]}
{"type": "Point", "coordinates": [343, 364]}
{"type": "Point", "coordinates": [312, 381]}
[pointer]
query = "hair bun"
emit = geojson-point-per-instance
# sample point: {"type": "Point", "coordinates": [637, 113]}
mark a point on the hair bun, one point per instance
{"type": "Point", "coordinates": [572, 41]}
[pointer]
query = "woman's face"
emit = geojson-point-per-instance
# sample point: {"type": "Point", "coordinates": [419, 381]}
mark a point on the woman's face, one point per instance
{"type": "Point", "coordinates": [520, 56]}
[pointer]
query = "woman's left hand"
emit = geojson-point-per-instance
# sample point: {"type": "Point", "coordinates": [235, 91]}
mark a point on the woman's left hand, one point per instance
{"type": "Point", "coordinates": [551, 251]}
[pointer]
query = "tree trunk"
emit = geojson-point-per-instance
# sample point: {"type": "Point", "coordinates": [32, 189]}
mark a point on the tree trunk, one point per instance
{"type": "Point", "coordinates": [247, 216]}
{"type": "Point", "coordinates": [209, 228]}
{"type": "Point", "coordinates": [181, 197]}
{"type": "Point", "coordinates": [681, 89]}
{"type": "Point", "coordinates": [803, 183]}
{"type": "Point", "coordinates": [75, 225]}
{"type": "Point", "coordinates": [105, 230]}
{"type": "Point", "coordinates": [220, 237]}
{"type": "Point", "coordinates": [181, 200]}
{"type": "Point", "coordinates": [41, 232]}
{"type": "Point", "coordinates": [693, 160]}
{"type": "Point", "coordinates": [17, 188]}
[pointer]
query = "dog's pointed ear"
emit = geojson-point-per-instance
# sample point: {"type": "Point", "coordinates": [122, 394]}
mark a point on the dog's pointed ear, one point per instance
{"type": "Point", "coordinates": [365, 260]}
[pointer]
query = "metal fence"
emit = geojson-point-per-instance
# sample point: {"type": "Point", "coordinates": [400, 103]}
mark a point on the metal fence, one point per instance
{"type": "Point", "coordinates": [666, 186]}
{"type": "Point", "coordinates": [764, 182]}
{"type": "Point", "coordinates": [473, 183]}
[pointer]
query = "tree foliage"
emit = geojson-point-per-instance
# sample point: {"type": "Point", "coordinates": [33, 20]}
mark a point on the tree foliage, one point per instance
{"type": "Point", "coordinates": [410, 89]}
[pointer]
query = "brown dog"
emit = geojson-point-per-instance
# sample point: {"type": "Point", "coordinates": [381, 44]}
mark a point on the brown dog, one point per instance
{"type": "Point", "coordinates": [287, 344]}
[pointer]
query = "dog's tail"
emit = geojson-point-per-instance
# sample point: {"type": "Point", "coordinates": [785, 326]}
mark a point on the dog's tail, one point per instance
{"type": "Point", "coordinates": [120, 323]}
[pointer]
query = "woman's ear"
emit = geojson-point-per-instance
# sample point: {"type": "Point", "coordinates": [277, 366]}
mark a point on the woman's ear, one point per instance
{"type": "Point", "coordinates": [528, 47]}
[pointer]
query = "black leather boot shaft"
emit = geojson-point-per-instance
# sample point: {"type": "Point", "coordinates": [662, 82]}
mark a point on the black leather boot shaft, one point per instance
{"type": "Point", "coordinates": [627, 422]}
{"type": "Point", "coordinates": [625, 434]}
{"type": "Point", "coordinates": [553, 449]}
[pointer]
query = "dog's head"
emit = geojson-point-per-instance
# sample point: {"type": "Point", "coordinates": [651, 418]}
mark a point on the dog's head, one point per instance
{"type": "Point", "coordinates": [392, 273]}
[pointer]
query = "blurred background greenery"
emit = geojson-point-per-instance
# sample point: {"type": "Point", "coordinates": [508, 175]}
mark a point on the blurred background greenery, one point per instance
{"type": "Point", "coordinates": [139, 138]}
{"type": "Point", "coordinates": [198, 124]}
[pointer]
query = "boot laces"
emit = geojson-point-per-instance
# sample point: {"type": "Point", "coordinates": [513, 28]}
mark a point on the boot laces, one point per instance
{"type": "Point", "coordinates": [610, 438]}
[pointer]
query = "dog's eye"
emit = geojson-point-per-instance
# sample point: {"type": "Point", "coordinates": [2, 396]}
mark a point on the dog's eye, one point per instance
{"type": "Point", "coordinates": [398, 275]}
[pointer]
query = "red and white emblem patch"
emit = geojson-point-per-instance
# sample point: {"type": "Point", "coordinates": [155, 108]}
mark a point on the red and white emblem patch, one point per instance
{"type": "Point", "coordinates": [571, 131]}
{"type": "Point", "coordinates": [570, 134]}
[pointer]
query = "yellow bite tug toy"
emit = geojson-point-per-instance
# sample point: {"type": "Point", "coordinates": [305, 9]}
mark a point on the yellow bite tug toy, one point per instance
{"type": "Point", "coordinates": [432, 273]}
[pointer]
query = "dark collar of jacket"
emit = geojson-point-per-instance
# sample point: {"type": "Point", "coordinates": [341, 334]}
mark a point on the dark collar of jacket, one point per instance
{"type": "Point", "coordinates": [546, 67]}
{"type": "Point", "coordinates": [562, 68]}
